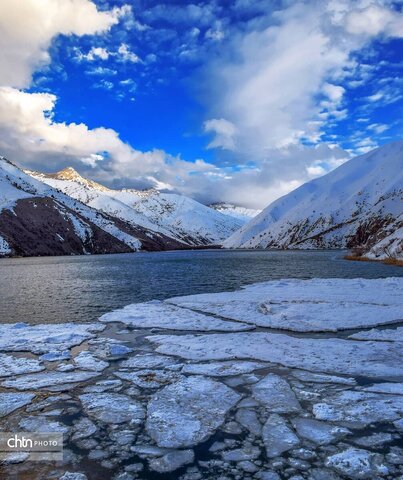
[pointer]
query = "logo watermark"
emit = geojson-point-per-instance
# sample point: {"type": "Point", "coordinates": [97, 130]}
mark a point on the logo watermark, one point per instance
{"type": "Point", "coordinates": [31, 446]}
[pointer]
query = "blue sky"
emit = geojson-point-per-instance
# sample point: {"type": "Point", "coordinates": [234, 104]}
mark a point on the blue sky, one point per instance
{"type": "Point", "coordinates": [237, 101]}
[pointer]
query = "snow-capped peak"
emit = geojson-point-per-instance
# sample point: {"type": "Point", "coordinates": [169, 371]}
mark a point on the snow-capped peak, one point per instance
{"type": "Point", "coordinates": [175, 216]}
{"type": "Point", "coordinates": [241, 213]}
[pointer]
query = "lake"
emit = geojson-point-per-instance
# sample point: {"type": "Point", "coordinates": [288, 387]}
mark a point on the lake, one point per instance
{"type": "Point", "coordinates": [80, 289]}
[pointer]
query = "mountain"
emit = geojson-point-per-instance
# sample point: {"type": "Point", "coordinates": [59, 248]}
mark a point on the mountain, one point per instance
{"type": "Point", "coordinates": [36, 220]}
{"type": "Point", "coordinates": [177, 217]}
{"type": "Point", "coordinates": [241, 213]}
{"type": "Point", "coordinates": [358, 205]}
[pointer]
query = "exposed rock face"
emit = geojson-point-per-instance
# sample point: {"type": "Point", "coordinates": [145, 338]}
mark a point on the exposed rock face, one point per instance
{"type": "Point", "coordinates": [356, 205]}
{"type": "Point", "coordinates": [42, 226]}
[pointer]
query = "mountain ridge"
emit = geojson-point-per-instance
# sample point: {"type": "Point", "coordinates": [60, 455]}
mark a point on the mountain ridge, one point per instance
{"type": "Point", "coordinates": [356, 205]}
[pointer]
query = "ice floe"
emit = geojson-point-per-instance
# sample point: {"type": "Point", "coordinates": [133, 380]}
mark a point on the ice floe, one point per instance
{"type": "Point", "coordinates": [330, 355]}
{"type": "Point", "coordinates": [276, 395]}
{"type": "Point", "coordinates": [112, 408]}
{"type": "Point", "coordinates": [215, 400]}
{"type": "Point", "coordinates": [317, 431]}
{"type": "Point", "coordinates": [148, 378]}
{"type": "Point", "coordinates": [221, 369]}
{"type": "Point", "coordinates": [149, 360]}
{"type": "Point", "coordinates": [169, 317]}
{"type": "Point", "coordinates": [384, 335]}
{"type": "Point", "coordinates": [358, 409]}
{"type": "Point", "coordinates": [321, 378]}
{"type": "Point", "coordinates": [277, 436]}
{"type": "Point", "coordinates": [393, 388]}
{"type": "Point", "coordinates": [10, 365]}
{"type": "Point", "coordinates": [86, 361]}
{"type": "Point", "coordinates": [47, 379]}
{"type": "Point", "coordinates": [305, 305]}
{"type": "Point", "coordinates": [42, 339]}
{"type": "Point", "coordinates": [9, 402]}
{"type": "Point", "coordinates": [187, 412]}
{"type": "Point", "coordinates": [40, 424]}
{"type": "Point", "coordinates": [171, 461]}
{"type": "Point", "coordinates": [358, 464]}
{"type": "Point", "coordinates": [248, 419]}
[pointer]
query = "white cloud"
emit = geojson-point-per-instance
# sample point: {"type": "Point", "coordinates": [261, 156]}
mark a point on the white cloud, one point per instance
{"type": "Point", "coordinates": [224, 132]}
{"type": "Point", "coordinates": [378, 127]}
{"type": "Point", "coordinates": [28, 27]}
{"type": "Point", "coordinates": [268, 91]}
{"type": "Point", "coordinates": [280, 84]}
{"type": "Point", "coordinates": [375, 20]}
{"type": "Point", "coordinates": [30, 135]}
{"type": "Point", "coordinates": [97, 53]}
{"type": "Point", "coordinates": [126, 54]}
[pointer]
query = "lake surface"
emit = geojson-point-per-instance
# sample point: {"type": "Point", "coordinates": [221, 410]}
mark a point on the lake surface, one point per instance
{"type": "Point", "coordinates": [80, 289]}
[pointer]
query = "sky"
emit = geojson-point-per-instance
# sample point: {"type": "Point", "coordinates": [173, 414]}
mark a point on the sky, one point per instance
{"type": "Point", "coordinates": [225, 101]}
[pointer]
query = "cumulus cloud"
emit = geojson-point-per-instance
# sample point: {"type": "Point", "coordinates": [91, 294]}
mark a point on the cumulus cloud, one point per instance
{"type": "Point", "coordinates": [375, 20]}
{"type": "Point", "coordinates": [29, 133]}
{"type": "Point", "coordinates": [28, 27]}
{"type": "Point", "coordinates": [126, 54]}
{"type": "Point", "coordinates": [224, 132]}
{"type": "Point", "coordinates": [269, 85]}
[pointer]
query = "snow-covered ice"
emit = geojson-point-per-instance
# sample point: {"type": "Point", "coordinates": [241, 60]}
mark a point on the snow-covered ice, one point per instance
{"type": "Point", "coordinates": [13, 401]}
{"type": "Point", "coordinates": [47, 379]}
{"type": "Point", "coordinates": [264, 402]}
{"type": "Point", "coordinates": [17, 365]}
{"type": "Point", "coordinates": [278, 436]}
{"type": "Point", "coordinates": [187, 412]}
{"type": "Point", "coordinates": [112, 408]}
{"type": "Point", "coordinates": [169, 317]}
{"type": "Point", "coordinates": [306, 305]}
{"type": "Point", "coordinates": [221, 369]}
{"type": "Point", "coordinates": [41, 339]}
{"type": "Point", "coordinates": [384, 335]}
{"type": "Point", "coordinates": [329, 355]}
{"type": "Point", "coordinates": [276, 395]}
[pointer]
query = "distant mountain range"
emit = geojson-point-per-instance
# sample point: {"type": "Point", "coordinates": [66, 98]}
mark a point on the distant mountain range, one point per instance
{"type": "Point", "coordinates": [242, 213]}
{"type": "Point", "coordinates": [358, 206]}
{"type": "Point", "coordinates": [64, 213]}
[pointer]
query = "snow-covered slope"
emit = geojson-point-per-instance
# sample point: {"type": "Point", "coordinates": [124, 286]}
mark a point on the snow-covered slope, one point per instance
{"type": "Point", "coordinates": [357, 204]}
{"type": "Point", "coordinates": [389, 247]}
{"type": "Point", "coordinates": [36, 219]}
{"type": "Point", "coordinates": [241, 213]}
{"type": "Point", "coordinates": [169, 214]}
